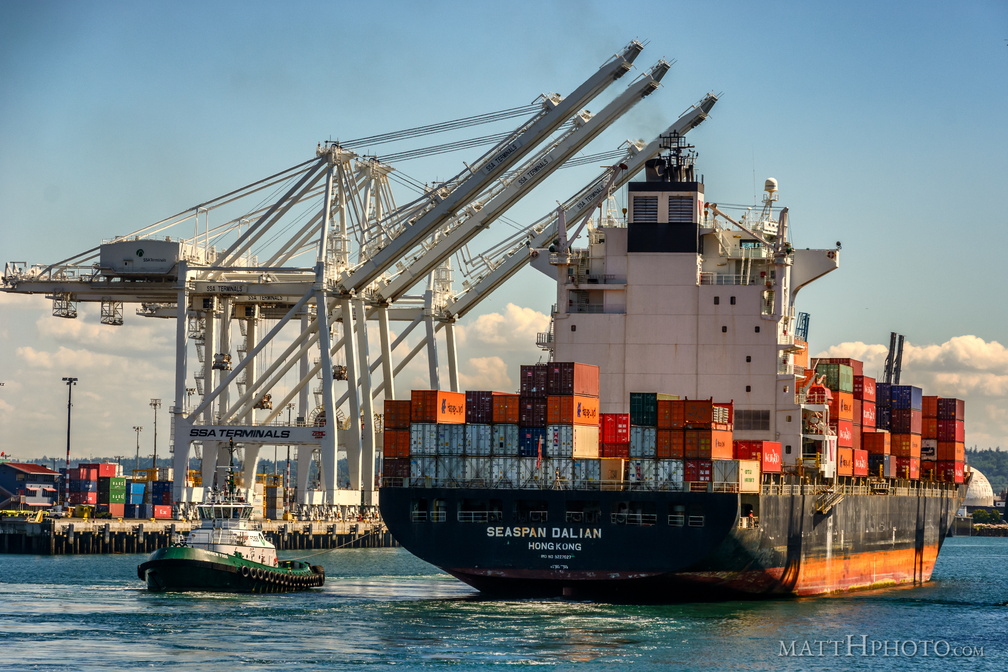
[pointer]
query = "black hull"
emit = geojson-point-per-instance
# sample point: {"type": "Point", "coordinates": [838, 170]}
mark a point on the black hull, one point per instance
{"type": "Point", "coordinates": [184, 569]}
{"type": "Point", "coordinates": [677, 546]}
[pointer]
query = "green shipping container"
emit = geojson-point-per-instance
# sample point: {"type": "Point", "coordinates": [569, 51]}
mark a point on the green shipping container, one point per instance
{"type": "Point", "coordinates": [839, 377]}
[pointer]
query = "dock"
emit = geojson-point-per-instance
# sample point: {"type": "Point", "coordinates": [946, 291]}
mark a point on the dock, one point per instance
{"type": "Point", "coordinates": [76, 536]}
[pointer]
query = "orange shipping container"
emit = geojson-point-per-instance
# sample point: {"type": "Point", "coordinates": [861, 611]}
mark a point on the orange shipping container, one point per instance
{"type": "Point", "coordinates": [505, 409]}
{"type": "Point", "coordinates": [671, 413]}
{"type": "Point", "coordinates": [707, 444]}
{"type": "Point", "coordinates": [906, 445]}
{"type": "Point", "coordinates": [929, 406]}
{"type": "Point", "coordinates": [951, 451]}
{"type": "Point", "coordinates": [845, 461]}
{"type": "Point", "coordinates": [572, 409]}
{"type": "Point", "coordinates": [396, 443]}
{"type": "Point", "coordinates": [841, 407]}
{"type": "Point", "coordinates": [437, 406]}
{"type": "Point", "coordinates": [876, 443]}
{"type": "Point", "coordinates": [698, 412]}
{"type": "Point", "coordinates": [670, 444]}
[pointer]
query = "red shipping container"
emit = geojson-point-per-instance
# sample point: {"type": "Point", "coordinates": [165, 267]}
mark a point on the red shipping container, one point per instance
{"type": "Point", "coordinates": [929, 428]}
{"type": "Point", "coordinates": [505, 409]}
{"type": "Point", "coordinates": [906, 421]}
{"type": "Point", "coordinates": [864, 388]}
{"type": "Point", "coordinates": [396, 443]}
{"type": "Point", "coordinates": [437, 406]}
{"type": "Point", "coordinates": [698, 413]}
{"type": "Point", "coordinates": [845, 461]}
{"type": "Point", "coordinates": [867, 414]}
{"type": "Point", "coordinates": [856, 444]}
{"type": "Point", "coordinates": [951, 430]}
{"type": "Point", "coordinates": [929, 406]}
{"type": "Point", "coordinates": [908, 467]}
{"type": "Point", "coordinates": [82, 497]}
{"type": "Point", "coordinates": [906, 445]}
{"type": "Point", "coordinates": [396, 468]}
{"type": "Point", "coordinates": [616, 427]}
{"type": "Point", "coordinates": [706, 444]}
{"type": "Point", "coordinates": [929, 470]}
{"type": "Point", "coordinates": [953, 472]}
{"type": "Point", "coordinates": [114, 510]}
{"type": "Point", "coordinates": [397, 413]}
{"type": "Point", "coordinates": [162, 511]}
{"type": "Point", "coordinates": [841, 407]}
{"type": "Point", "coordinates": [615, 450]}
{"type": "Point", "coordinates": [877, 443]}
{"type": "Point", "coordinates": [572, 409]}
{"type": "Point", "coordinates": [951, 409]}
{"type": "Point", "coordinates": [860, 462]}
{"type": "Point", "coordinates": [532, 411]}
{"type": "Point", "coordinates": [844, 430]}
{"type": "Point", "coordinates": [767, 452]}
{"type": "Point", "coordinates": [951, 451]}
{"type": "Point", "coordinates": [697, 471]}
{"type": "Point", "coordinates": [572, 378]}
{"type": "Point", "coordinates": [671, 413]}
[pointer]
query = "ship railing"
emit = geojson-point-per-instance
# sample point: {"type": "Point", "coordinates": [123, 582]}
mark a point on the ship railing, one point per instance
{"type": "Point", "coordinates": [676, 520]}
{"type": "Point", "coordinates": [630, 518]}
{"type": "Point", "coordinates": [479, 516]}
{"type": "Point", "coordinates": [710, 278]}
{"type": "Point", "coordinates": [695, 521]}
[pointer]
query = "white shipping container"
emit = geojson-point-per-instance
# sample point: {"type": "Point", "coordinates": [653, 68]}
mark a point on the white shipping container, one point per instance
{"type": "Point", "coordinates": [477, 469]}
{"type": "Point", "coordinates": [669, 474]}
{"type": "Point", "coordinates": [749, 476]}
{"type": "Point", "coordinates": [423, 470]}
{"type": "Point", "coordinates": [641, 471]}
{"type": "Point", "coordinates": [451, 439]}
{"type": "Point", "coordinates": [505, 441]}
{"type": "Point", "coordinates": [532, 473]}
{"type": "Point", "coordinates": [504, 471]}
{"type": "Point", "coordinates": [567, 441]}
{"type": "Point", "coordinates": [643, 441]}
{"type": "Point", "coordinates": [450, 469]}
{"type": "Point", "coordinates": [929, 449]}
{"type": "Point", "coordinates": [423, 439]}
{"type": "Point", "coordinates": [478, 440]}
{"type": "Point", "coordinates": [587, 472]}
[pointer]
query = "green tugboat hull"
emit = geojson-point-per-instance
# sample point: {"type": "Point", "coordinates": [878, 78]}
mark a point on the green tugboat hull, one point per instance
{"type": "Point", "coordinates": [182, 568]}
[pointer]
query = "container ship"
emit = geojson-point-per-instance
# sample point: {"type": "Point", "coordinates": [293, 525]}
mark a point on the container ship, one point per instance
{"type": "Point", "coordinates": [679, 444]}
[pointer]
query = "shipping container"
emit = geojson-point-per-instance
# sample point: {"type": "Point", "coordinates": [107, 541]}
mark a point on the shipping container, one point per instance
{"type": "Point", "coordinates": [451, 439]}
{"type": "Point", "coordinates": [929, 428]}
{"type": "Point", "coordinates": [883, 396]}
{"type": "Point", "coordinates": [505, 409]}
{"type": "Point", "coordinates": [643, 441]}
{"type": "Point", "coordinates": [844, 430]}
{"type": "Point", "coordinates": [532, 411]}
{"type": "Point", "coordinates": [669, 474]}
{"type": "Point", "coordinates": [423, 470]}
{"type": "Point", "coordinates": [951, 409]}
{"type": "Point", "coordinates": [671, 413]}
{"type": "Point", "coordinates": [397, 413]}
{"type": "Point", "coordinates": [572, 410]}
{"type": "Point", "coordinates": [860, 462]}
{"type": "Point", "coordinates": [615, 427]}
{"type": "Point", "coordinates": [587, 473]}
{"type": "Point", "coordinates": [951, 430]}
{"type": "Point", "coordinates": [908, 467]}
{"type": "Point", "coordinates": [906, 445]}
{"type": "Point", "coordinates": [504, 441]}
{"type": "Point", "coordinates": [437, 406]}
{"type": "Point", "coordinates": [162, 511]}
{"type": "Point", "coordinates": [856, 366]}
{"type": "Point", "coordinates": [533, 380]}
{"type": "Point", "coordinates": [478, 471]}
{"type": "Point", "coordinates": [768, 453]}
{"type": "Point", "coordinates": [396, 443]}
{"type": "Point", "coordinates": [612, 470]}
{"type": "Point", "coordinates": [479, 440]}
{"type": "Point", "coordinates": [881, 466]}
{"type": "Point", "coordinates": [641, 472]}
{"type": "Point", "coordinates": [670, 444]}
{"type": "Point", "coordinates": [697, 471]}
{"type": "Point", "coordinates": [736, 476]}
{"type": "Point", "coordinates": [532, 442]}
{"type": "Point", "coordinates": [929, 406]}
{"type": "Point", "coordinates": [479, 407]}
{"type": "Point", "coordinates": [839, 377]}
{"type": "Point", "coordinates": [866, 414]}
{"type": "Point", "coordinates": [621, 450]}
{"type": "Point", "coordinates": [952, 471]}
{"type": "Point", "coordinates": [115, 510]}
{"type": "Point", "coordinates": [698, 413]}
{"type": "Point", "coordinates": [929, 449]}
{"type": "Point", "coordinates": [423, 439]}
{"type": "Point", "coordinates": [101, 470]}
{"type": "Point", "coordinates": [841, 407]}
{"type": "Point", "coordinates": [707, 444]}
{"type": "Point", "coordinates": [906, 421]}
{"type": "Point", "coordinates": [845, 461]}
{"type": "Point", "coordinates": [572, 441]}
{"type": "Point", "coordinates": [949, 451]}
{"type": "Point", "coordinates": [572, 378]}
{"type": "Point", "coordinates": [864, 388]}
{"type": "Point", "coordinates": [906, 396]}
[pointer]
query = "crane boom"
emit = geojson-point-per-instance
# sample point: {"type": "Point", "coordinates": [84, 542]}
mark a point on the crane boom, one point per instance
{"type": "Point", "coordinates": [515, 259]}
{"type": "Point", "coordinates": [553, 115]}
{"type": "Point", "coordinates": [534, 172]}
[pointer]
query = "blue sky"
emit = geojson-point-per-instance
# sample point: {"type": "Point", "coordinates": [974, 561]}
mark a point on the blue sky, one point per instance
{"type": "Point", "coordinates": [882, 122]}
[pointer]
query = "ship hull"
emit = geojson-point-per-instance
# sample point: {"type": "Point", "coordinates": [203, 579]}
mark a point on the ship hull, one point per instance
{"type": "Point", "coordinates": [184, 569]}
{"type": "Point", "coordinates": [676, 546]}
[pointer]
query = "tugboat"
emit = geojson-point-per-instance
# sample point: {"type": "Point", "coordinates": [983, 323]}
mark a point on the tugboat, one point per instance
{"type": "Point", "coordinates": [226, 553]}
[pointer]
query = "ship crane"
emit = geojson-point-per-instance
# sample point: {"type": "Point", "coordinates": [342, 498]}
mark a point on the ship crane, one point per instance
{"type": "Point", "coordinates": [894, 360]}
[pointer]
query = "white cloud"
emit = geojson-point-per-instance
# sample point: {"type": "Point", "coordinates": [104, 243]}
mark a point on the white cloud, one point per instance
{"type": "Point", "coordinates": [515, 330]}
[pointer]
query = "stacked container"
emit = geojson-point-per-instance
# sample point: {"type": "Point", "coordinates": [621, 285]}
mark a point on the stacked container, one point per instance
{"type": "Point", "coordinates": [905, 425]}
{"type": "Point", "coordinates": [437, 434]}
{"type": "Point", "coordinates": [82, 485]}
{"type": "Point", "coordinates": [614, 435]}
{"type": "Point", "coordinates": [951, 446]}
{"type": "Point", "coordinates": [112, 495]}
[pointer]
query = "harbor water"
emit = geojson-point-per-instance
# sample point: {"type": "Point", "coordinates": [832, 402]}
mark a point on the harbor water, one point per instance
{"type": "Point", "coordinates": [383, 608]}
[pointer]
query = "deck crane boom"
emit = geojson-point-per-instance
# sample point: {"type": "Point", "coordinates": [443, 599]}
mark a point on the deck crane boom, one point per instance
{"type": "Point", "coordinates": [555, 112]}
{"type": "Point", "coordinates": [894, 360]}
{"type": "Point", "coordinates": [532, 173]}
{"type": "Point", "coordinates": [545, 230]}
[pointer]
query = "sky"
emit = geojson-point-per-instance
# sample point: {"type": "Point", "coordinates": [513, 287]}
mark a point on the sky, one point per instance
{"type": "Point", "coordinates": [884, 124]}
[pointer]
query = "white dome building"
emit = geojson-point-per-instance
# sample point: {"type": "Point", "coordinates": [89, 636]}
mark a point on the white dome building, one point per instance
{"type": "Point", "coordinates": [979, 492]}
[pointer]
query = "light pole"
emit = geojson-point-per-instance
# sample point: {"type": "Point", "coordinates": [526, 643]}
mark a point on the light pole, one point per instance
{"type": "Point", "coordinates": [155, 404]}
{"type": "Point", "coordinates": [66, 478]}
{"type": "Point", "coordinates": [137, 429]}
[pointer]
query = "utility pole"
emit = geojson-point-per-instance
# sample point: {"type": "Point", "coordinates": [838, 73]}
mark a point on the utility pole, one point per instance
{"type": "Point", "coordinates": [155, 404]}
{"type": "Point", "coordinates": [66, 478]}
{"type": "Point", "coordinates": [137, 429]}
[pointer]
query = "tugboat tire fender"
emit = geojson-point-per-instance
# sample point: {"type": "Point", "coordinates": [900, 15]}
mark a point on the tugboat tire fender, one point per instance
{"type": "Point", "coordinates": [245, 571]}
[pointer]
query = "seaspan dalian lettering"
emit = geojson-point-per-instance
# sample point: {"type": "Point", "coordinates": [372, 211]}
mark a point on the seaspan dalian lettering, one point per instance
{"type": "Point", "coordinates": [541, 532]}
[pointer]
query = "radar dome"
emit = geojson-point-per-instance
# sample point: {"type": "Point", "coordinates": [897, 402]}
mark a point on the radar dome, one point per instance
{"type": "Point", "coordinates": [770, 186]}
{"type": "Point", "coordinates": [980, 492]}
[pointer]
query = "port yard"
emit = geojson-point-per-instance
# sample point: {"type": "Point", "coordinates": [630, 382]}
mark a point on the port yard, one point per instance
{"type": "Point", "coordinates": [72, 536]}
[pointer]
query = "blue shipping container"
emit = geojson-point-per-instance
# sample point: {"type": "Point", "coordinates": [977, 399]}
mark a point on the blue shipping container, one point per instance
{"type": "Point", "coordinates": [529, 441]}
{"type": "Point", "coordinates": [906, 396]}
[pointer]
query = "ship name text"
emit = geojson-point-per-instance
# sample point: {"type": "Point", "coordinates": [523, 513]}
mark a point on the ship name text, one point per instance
{"type": "Point", "coordinates": [546, 532]}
